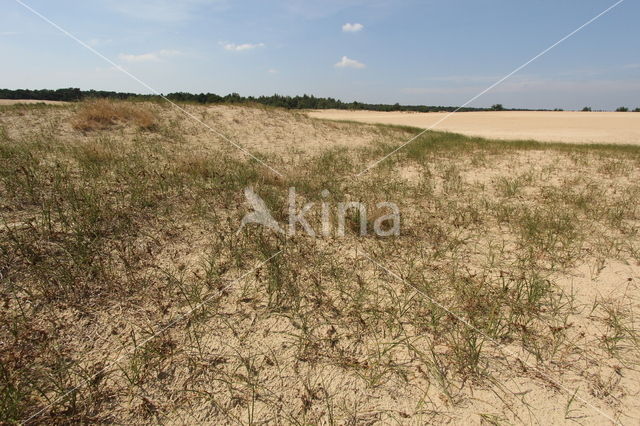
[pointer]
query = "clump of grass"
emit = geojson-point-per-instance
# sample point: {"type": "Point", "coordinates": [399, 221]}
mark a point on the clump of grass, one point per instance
{"type": "Point", "coordinates": [100, 114]}
{"type": "Point", "coordinates": [4, 136]}
{"type": "Point", "coordinates": [620, 337]}
{"type": "Point", "coordinates": [512, 187]}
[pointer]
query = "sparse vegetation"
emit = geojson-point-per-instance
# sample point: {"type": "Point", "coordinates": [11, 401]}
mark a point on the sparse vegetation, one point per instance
{"type": "Point", "coordinates": [129, 297]}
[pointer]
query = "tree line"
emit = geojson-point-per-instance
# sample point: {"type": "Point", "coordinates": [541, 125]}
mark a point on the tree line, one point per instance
{"type": "Point", "coordinates": [289, 102]}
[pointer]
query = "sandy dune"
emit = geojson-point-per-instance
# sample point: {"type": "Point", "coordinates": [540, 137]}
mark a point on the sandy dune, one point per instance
{"type": "Point", "coordinates": [540, 243]}
{"type": "Point", "coordinates": [574, 127]}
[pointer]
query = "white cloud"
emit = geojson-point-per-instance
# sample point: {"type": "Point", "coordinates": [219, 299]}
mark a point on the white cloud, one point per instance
{"type": "Point", "coordinates": [8, 33]}
{"type": "Point", "coordinates": [241, 47]}
{"type": "Point", "coordinates": [145, 57]}
{"type": "Point", "coordinates": [94, 42]}
{"type": "Point", "coordinates": [272, 71]}
{"type": "Point", "coordinates": [149, 57]}
{"type": "Point", "coordinates": [346, 62]}
{"type": "Point", "coordinates": [352, 28]}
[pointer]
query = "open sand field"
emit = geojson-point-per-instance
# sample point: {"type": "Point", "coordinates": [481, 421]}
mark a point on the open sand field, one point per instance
{"type": "Point", "coordinates": [129, 295]}
{"type": "Point", "coordinates": [545, 126]}
{"type": "Point", "coordinates": [29, 102]}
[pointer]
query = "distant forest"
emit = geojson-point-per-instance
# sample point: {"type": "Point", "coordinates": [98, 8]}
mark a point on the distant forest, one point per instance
{"type": "Point", "coordinates": [289, 102]}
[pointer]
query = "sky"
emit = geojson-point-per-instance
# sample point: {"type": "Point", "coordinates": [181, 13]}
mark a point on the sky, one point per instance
{"type": "Point", "coordinates": [419, 52]}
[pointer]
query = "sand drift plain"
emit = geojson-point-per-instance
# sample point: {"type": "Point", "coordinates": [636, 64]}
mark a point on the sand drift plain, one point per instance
{"type": "Point", "coordinates": [545, 126]}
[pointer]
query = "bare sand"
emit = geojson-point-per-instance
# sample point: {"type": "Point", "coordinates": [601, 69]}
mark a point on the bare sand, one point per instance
{"type": "Point", "coordinates": [28, 101]}
{"type": "Point", "coordinates": [546, 126]}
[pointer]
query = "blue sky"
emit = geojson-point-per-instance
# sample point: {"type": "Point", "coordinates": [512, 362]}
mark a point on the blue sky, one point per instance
{"type": "Point", "coordinates": [413, 52]}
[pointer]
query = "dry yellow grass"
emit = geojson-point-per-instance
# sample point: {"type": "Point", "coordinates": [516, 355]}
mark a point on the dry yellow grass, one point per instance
{"type": "Point", "coordinates": [100, 114]}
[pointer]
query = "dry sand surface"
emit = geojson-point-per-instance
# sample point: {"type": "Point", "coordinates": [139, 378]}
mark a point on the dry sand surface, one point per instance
{"type": "Point", "coordinates": [545, 126]}
{"type": "Point", "coordinates": [29, 101]}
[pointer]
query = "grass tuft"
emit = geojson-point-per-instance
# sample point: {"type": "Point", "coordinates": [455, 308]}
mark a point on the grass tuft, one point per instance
{"type": "Point", "coordinates": [101, 114]}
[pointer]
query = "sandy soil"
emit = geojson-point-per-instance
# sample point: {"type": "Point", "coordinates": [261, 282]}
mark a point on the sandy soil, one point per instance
{"type": "Point", "coordinates": [28, 101]}
{"type": "Point", "coordinates": [546, 126]}
{"type": "Point", "coordinates": [359, 369]}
